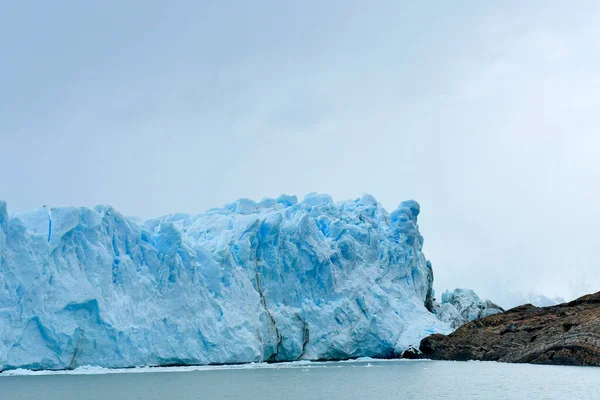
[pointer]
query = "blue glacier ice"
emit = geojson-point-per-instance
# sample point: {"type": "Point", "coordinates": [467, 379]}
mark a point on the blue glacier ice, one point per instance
{"type": "Point", "coordinates": [276, 280]}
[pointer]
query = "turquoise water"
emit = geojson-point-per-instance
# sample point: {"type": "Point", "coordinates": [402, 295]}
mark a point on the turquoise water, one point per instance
{"type": "Point", "coordinates": [366, 379]}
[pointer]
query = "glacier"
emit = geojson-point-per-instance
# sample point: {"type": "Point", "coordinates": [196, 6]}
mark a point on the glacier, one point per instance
{"type": "Point", "coordinates": [275, 280]}
{"type": "Point", "coordinates": [463, 305]}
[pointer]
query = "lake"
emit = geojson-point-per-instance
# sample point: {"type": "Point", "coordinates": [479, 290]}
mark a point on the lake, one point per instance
{"type": "Point", "coordinates": [360, 379]}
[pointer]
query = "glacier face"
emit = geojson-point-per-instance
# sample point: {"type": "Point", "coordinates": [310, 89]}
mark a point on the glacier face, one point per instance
{"type": "Point", "coordinates": [277, 280]}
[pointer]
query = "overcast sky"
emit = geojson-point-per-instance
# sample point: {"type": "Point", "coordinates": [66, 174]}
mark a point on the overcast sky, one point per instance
{"type": "Point", "coordinates": [487, 113]}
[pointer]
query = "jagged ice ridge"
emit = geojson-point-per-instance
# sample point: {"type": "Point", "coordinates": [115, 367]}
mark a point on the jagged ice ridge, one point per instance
{"type": "Point", "coordinates": [463, 305]}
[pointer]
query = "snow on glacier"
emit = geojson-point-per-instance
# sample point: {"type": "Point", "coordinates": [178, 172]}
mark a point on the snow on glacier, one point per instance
{"type": "Point", "coordinates": [278, 280]}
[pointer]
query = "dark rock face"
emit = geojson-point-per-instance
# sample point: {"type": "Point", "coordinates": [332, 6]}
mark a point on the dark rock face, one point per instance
{"type": "Point", "coordinates": [566, 334]}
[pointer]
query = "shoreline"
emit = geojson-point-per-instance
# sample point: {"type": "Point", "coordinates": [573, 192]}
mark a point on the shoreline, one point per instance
{"type": "Point", "coordinates": [301, 364]}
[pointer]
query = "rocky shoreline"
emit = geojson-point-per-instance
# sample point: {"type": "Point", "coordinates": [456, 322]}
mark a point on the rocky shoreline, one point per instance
{"type": "Point", "coordinates": [565, 334]}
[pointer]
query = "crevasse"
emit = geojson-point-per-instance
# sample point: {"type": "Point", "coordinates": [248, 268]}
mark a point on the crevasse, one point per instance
{"type": "Point", "coordinates": [277, 280]}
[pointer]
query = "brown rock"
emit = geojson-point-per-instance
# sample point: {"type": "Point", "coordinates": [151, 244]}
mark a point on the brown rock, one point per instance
{"type": "Point", "coordinates": [566, 334]}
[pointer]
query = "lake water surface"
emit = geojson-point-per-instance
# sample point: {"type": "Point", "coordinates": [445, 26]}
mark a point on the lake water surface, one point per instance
{"type": "Point", "coordinates": [362, 379]}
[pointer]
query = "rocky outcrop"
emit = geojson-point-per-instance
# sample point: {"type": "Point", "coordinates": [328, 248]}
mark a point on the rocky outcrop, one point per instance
{"type": "Point", "coordinates": [565, 334]}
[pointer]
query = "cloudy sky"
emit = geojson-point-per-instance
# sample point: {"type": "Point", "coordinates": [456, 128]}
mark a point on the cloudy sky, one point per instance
{"type": "Point", "coordinates": [487, 113]}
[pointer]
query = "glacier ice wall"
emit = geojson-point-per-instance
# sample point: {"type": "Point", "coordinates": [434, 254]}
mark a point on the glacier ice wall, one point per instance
{"type": "Point", "coordinates": [277, 280]}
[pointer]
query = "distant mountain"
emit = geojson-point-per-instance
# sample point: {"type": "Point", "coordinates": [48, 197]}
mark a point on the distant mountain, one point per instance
{"type": "Point", "coordinates": [514, 299]}
{"type": "Point", "coordinates": [539, 300]}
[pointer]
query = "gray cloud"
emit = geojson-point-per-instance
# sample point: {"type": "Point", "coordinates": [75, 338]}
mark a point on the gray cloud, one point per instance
{"type": "Point", "coordinates": [485, 114]}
